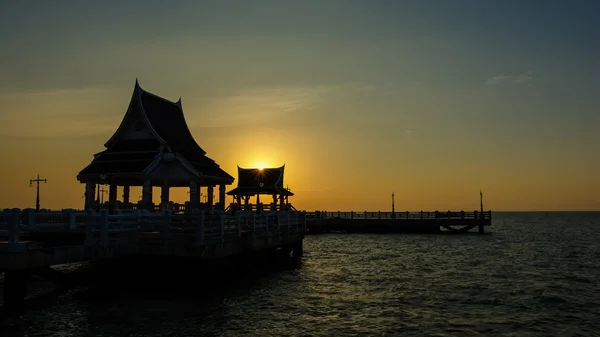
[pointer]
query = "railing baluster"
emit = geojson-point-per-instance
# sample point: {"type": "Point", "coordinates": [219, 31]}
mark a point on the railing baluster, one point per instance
{"type": "Point", "coordinates": [104, 227]}
{"type": "Point", "coordinates": [200, 228]}
{"type": "Point", "coordinates": [222, 227]}
{"type": "Point", "coordinates": [71, 219]}
{"type": "Point", "coordinates": [29, 217]}
{"type": "Point", "coordinates": [15, 221]}
{"type": "Point", "coordinates": [167, 222]}
{"type": "Point", "coordinates": [89, 228]}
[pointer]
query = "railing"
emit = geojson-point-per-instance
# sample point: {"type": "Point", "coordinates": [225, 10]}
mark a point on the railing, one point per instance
{"type": "Point", "coordinates": [101, 227]}
{"type": "Point", "coordinates": [323, 215]}
{"type": "Point", "coordinates": [265, 207]}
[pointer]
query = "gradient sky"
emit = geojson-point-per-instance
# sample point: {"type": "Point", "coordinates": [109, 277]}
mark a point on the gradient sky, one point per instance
{"type": "Point", "coordinates": [432, 100]}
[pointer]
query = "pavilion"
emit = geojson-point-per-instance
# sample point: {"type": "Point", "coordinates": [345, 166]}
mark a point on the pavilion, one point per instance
{"type": "Point", "coordinates": [261, 181]}
{"type": "Point", "coordinates": [153, 146]}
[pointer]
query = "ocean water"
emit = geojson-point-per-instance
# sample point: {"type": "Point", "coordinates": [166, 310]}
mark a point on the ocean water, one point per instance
{"type": "Point", "coordinates": [532, 274]}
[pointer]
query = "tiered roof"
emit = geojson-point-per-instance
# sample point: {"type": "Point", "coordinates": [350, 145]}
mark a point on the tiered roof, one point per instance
{"type": "Point", "coordinates": [252, 181]}
{"type": "Point", "coordinates": [166, 132]}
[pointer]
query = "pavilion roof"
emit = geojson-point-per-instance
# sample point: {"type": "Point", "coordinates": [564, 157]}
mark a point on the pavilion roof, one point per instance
{"type": "Point", "coordinates": [252, 181]}
{"type": "Point", "coordinates": [167, 123]}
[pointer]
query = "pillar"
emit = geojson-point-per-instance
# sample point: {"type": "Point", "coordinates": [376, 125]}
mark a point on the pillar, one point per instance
{"type": "Point", "coordinates": [90, 190]}
{"type": "Point", "coordinates": [222, 196]}
{"type": "Point", "coordinates": [147, 195]}
{"type": "Point", "coordinates": [211, 192]}
{"type": "Point", "coordinates": [126, 190]}
{"type": "Point", "coordinates": [164, 197]}
{"type": "Point", "coordinates": [112, 198]}
{"type": "Point", "coordinates": [194, 195]}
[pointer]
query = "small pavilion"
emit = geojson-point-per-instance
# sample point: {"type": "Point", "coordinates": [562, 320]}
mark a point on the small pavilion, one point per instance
{"type": "Point", "coordinates": [254, 182]}
{"type": "Point", "coordinates": [153, 146]}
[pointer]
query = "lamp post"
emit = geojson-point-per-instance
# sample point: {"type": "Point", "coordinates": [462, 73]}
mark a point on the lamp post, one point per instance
{"type": "Point", "coordinates": [37, 197]}
{"type": "Point", "coordinates": [393, 207]}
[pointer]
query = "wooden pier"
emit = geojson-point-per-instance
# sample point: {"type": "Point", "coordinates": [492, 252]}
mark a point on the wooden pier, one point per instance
{"type": "Point", "coordinates": [153, 147]}
{"type": "Point", "coordinates": [31, 241]}
{"type": "Point", "coordinates": [397, 222]}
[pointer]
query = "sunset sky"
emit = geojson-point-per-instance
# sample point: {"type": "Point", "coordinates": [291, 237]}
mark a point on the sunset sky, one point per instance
{"type": "Point", "coordinates": [431, 100]}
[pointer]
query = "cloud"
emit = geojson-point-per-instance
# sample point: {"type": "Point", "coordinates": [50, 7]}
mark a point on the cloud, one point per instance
{"type": "Point", "coordinates": [525, 78]}
{"type": "Point", "coordinates": [497, 79]}
{"type": "Point", "coordinates": [268, 105]}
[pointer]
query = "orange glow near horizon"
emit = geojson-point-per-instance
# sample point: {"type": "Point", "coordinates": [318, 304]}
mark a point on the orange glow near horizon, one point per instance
{"type": "Point", "coordinates": [352, 164]}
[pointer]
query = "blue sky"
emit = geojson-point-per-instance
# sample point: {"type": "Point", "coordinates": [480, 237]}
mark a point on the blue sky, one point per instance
{"type": "Point", "coordinates": [515, 81]}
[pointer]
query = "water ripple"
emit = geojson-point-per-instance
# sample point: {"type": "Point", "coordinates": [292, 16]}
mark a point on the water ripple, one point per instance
{"type": "Point", "coordinates": [535, 275]}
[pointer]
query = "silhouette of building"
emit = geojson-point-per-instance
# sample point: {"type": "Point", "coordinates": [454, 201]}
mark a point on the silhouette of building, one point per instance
{"type": "Point", "coordinates": [265, 181]}
{"type": "Point", "coordinates": [153, 146]}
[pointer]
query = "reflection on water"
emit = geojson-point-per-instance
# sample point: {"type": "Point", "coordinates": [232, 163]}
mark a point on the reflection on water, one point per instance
{"type": "Point", "coordinates": [535, 274]}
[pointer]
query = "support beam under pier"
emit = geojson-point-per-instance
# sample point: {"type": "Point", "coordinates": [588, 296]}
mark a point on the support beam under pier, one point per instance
{"type": "Point", "coordinates": [15, 289]}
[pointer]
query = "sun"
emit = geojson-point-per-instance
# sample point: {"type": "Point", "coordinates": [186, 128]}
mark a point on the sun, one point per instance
{"type": "Point", "coordinates": [260, 165]}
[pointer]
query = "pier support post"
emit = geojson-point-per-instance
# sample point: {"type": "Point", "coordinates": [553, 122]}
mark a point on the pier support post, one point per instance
{"type": "Point", "coordinates": [15, 289]}
{"type": "Point", "coordinates": [211, 195]}
{"type": "Point", "coordinates": [90, 190]}
{"type": "Point", "coordinates": [112, 198]}
{"type": "Point", "coordinates": [297, 251]}
{"type": "Point", "coordinates": [222, 196]}
{"type": "Point", "coordinates": [147, 195]}
{"type": "Point", "coordinates": [194, 196]}
{"type": "Point", "coordinates": [164, 197]}
{"type": "Point", "coordinates": [126, 191]}
{"type": "Point", "coordinates": [481, 220]}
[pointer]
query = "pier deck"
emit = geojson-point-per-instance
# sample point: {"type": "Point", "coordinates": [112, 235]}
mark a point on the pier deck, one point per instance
{"type": "Point", "coordinates": [31, 240]}
{"type": "Point", "coordinates": [397, 222]}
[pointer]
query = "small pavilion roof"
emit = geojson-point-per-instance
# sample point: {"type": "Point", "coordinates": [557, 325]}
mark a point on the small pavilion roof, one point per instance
{"type": "Point", "coordinates": [252, 181]}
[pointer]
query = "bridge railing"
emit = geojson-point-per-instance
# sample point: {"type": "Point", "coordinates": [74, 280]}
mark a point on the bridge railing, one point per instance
{"type": "Point", "coordinates": [323, 215]}
{"type": "Point", "coordinates": [102, 228]}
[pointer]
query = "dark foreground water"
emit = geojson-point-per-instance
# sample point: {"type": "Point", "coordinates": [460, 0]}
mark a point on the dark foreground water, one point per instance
{"type": "Point", "coordinates": [534, 274]}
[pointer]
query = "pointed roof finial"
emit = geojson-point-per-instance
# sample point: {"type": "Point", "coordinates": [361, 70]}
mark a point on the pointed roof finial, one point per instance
{"type": "Point", "coordinates": [179, 102]}
{"type": "Point", "coordinates": [138, 88]}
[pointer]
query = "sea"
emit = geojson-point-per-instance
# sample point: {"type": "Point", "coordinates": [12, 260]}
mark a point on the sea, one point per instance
{"type": "Point", "coordinates": [531, 274]}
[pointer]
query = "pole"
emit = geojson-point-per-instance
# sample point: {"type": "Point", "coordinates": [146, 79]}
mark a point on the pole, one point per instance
{"type": "Point", "coordinates": [393, 208]}
{"type": "Point", "coordinates": [481, 201]}
{"type": "Point", "coordinates": [37, 196]}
